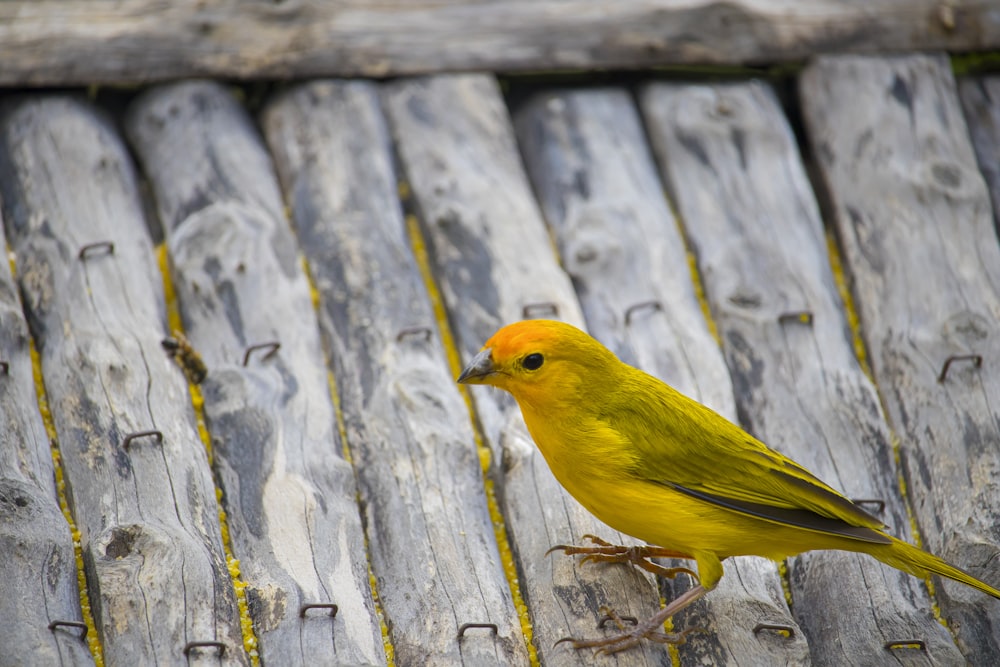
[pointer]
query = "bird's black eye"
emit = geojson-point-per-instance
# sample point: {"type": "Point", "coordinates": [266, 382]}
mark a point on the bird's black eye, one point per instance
{"type": "Point", "coordinates": [533, 361]}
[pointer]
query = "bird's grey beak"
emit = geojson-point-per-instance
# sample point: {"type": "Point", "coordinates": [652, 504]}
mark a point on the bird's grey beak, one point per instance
{"type": "Point", "coordinates": [479, 369]}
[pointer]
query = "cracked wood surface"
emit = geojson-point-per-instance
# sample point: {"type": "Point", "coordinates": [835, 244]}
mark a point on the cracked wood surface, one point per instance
{"type": "Point", "coordinates": [492, 257]}
{"type": "Point", "coordinates": [430, 536]}
{"type": "Point", "coordinates": [145, 507]}
{"type": "Point", "coordinates": [913, 217]}
{"type": "Point", "coordinates": [38, 570]}
{"type": "Point", "coordinates": [289, 494]}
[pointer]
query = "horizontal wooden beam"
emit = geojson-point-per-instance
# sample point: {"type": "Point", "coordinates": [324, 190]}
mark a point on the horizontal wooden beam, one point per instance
{"type": "Point", "coordinates": [67, 42]}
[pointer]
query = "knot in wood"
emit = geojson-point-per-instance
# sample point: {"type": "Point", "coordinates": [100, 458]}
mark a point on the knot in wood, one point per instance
{"type": "Point", "coordinates": [589, 246]}
{"type": "Point", "coordinates": [966, 329]}
{"type": "Point", "coordinates": [949, 178]}
{"type": "Point", "coordinates": [121, 542]}
{"type": "Point", "coordinates": [746, 299]}
{"type": "Point", "coordinates": [15, 496]}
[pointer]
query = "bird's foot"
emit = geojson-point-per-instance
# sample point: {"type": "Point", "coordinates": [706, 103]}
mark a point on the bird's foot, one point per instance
{"type": "Point", "coordinates": [627, 638]}
{"type": "Point", "coordinates": [605, 552]}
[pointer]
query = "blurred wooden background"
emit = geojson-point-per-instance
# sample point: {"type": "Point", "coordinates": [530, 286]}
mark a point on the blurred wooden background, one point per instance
{"type": "Point", "coordinates": [808, 246]}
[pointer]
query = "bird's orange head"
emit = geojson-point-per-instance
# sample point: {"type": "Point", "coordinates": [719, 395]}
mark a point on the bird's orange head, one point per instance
{"type": "Point", "coordinates": [539, 360]}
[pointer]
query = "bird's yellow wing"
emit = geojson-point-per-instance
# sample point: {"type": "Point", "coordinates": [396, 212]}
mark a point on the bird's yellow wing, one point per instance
{"type": "Point", "coordinates": [684, 445]}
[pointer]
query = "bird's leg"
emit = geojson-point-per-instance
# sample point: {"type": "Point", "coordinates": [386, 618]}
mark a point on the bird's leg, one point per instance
{"type": "Point", "coordinates": [651, 629]}
{"type": "Point", "coordinates": [605, 552]}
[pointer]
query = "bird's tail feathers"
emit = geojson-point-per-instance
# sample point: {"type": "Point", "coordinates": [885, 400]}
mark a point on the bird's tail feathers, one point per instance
{"type": "Point", "coordinates": [918, 562]}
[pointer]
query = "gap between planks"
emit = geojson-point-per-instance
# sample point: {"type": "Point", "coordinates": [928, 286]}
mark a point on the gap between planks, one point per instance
{"type": "Point", "coordinates": [250, 642]}
{"type": "Point", "coordinates": [419, 248]}
{"type": "Point", "coordinates": [331, 381]}
{"type": "Point", "coordinates": [93, 640]}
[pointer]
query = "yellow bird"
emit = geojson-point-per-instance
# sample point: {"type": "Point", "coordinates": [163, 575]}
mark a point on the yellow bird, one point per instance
{"type": "Point", "coordinates": [657, 465]}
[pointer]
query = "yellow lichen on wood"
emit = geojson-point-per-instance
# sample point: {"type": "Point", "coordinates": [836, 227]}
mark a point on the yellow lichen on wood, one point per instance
{"type": "Point", "coordinates": [854, 322]}
{"type": "Point", "coordinates": [315, 297]}
{"type": "Point", "coordinates": [786, 585]}
{"type": "Point", "coordinates": [692, 260]}
{"type": "Point", "coordinates": [390, 652]}
{"type": "Point", "coordinates": [197, 403]}
{"type": "Point", "coordinates": [93, 641]}
{"type": "Point", "coordinates": [419, 248]}
{"type": "Point", "coordinates": [668, 627]}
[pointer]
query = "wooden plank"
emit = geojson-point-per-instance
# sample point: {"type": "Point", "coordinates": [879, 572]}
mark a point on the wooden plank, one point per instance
{"type": "Point", "coordinates": [145, 508]}
{"type": "Point", "coordinates": [913, 218]}
{"type": "Point", "coordinates": [495, 264]}
{"type": "Point", "coordinates": [731, 161]}
{"type": "Point", "coordinates": [289, 494]}
{"type": "Point", "coordinates": [432, 545]}
{"type": "Point", "coordinates": [587, 156]}
{"type": "Point", "coordinates": [981, 103]}
{"type": "Point", "coordinates": [64, 42]}
{"type": "Point", "coordinates": [38, 570]}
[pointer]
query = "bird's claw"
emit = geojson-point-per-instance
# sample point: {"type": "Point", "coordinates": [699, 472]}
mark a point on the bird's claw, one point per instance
{"type": "Point", "coordinates": [628, 638]}
{"type": "Point", "coordinates": [572, 549]}
{"type": "Point", "coordinates": [639, 556]}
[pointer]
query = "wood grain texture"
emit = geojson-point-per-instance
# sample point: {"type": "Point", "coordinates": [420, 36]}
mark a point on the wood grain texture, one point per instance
{"type": "Point", "coordinates": [47, 42]}
{"type": "Point", "coordinates": [913, 218]}
{"type": "Point", "coordinates": [980, 97]}
{"type": "Point", "coordinates": [492, 257]}
{"type": "Point", "coordinates": [431, 539]}
{"type": "Point", "coordinates": [592, 169]}
{"type": "Point", "coordinates": [38, 568]}
{"type": "Point", "coordinates": [289, 494]}
{"type": "Point", "coordinates": [731, 162]}
{"type": "Point", "coordinates": [146, 510]}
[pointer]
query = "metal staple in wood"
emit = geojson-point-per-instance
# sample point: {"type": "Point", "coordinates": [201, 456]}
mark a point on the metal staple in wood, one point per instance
{"type": "Point", "coordinates": [797, 316]}
{"type": "Point", "coordinates": [271, 347]}
{"type": "Point", "coordinates": [776, 627]}
{"type": "Point", "coordinates": [533, 310]}
{"type": "Point", "coordinates": [414, 332]}
{"type": "Point", "coordinates": [976, 359]}
{"type": "Point", "coordinates": [153, 433]}
{"type": "Point", "coordinates": [89, 249]}
{"type": "Point", "coordinates": [82, 627]}
{"type": "Point", "coordinates": [466, 626]}
{"type": "Point", "coordinates": [652, 305]}
{"type": "Point", "coordinates": [190, 646]}
{"type": "Point", "coordinates": [333, 609]}
{"type": "Point", "coordinates": [917, 644]}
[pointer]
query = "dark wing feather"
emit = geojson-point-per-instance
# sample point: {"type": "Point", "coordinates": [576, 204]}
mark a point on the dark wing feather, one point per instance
{"type": "Point", "coordinates": [800, 518]}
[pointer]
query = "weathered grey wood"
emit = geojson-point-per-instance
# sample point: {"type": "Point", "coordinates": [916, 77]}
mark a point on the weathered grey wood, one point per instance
{"type": "Point", "coordinates": [493, 258]}
{"type": "Point", "coordinates": [38, 567]}
{"type": "Point", "coordinates": [289, 493]}
{"type": "Point", "coordinates": [434, 553]}
{"type": "Point", "coordinates": [587, 156]}
{"type": "Point", "coordinates": [981, 103]}
{"type": "Point", "coordinates": [731, 162]}
{"type": "Point", "coordinates": [115, 41]}
{"type": "Point", "coordinates": [913, 219]}
{"type": "Point", "coordinates": [147, 511]}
